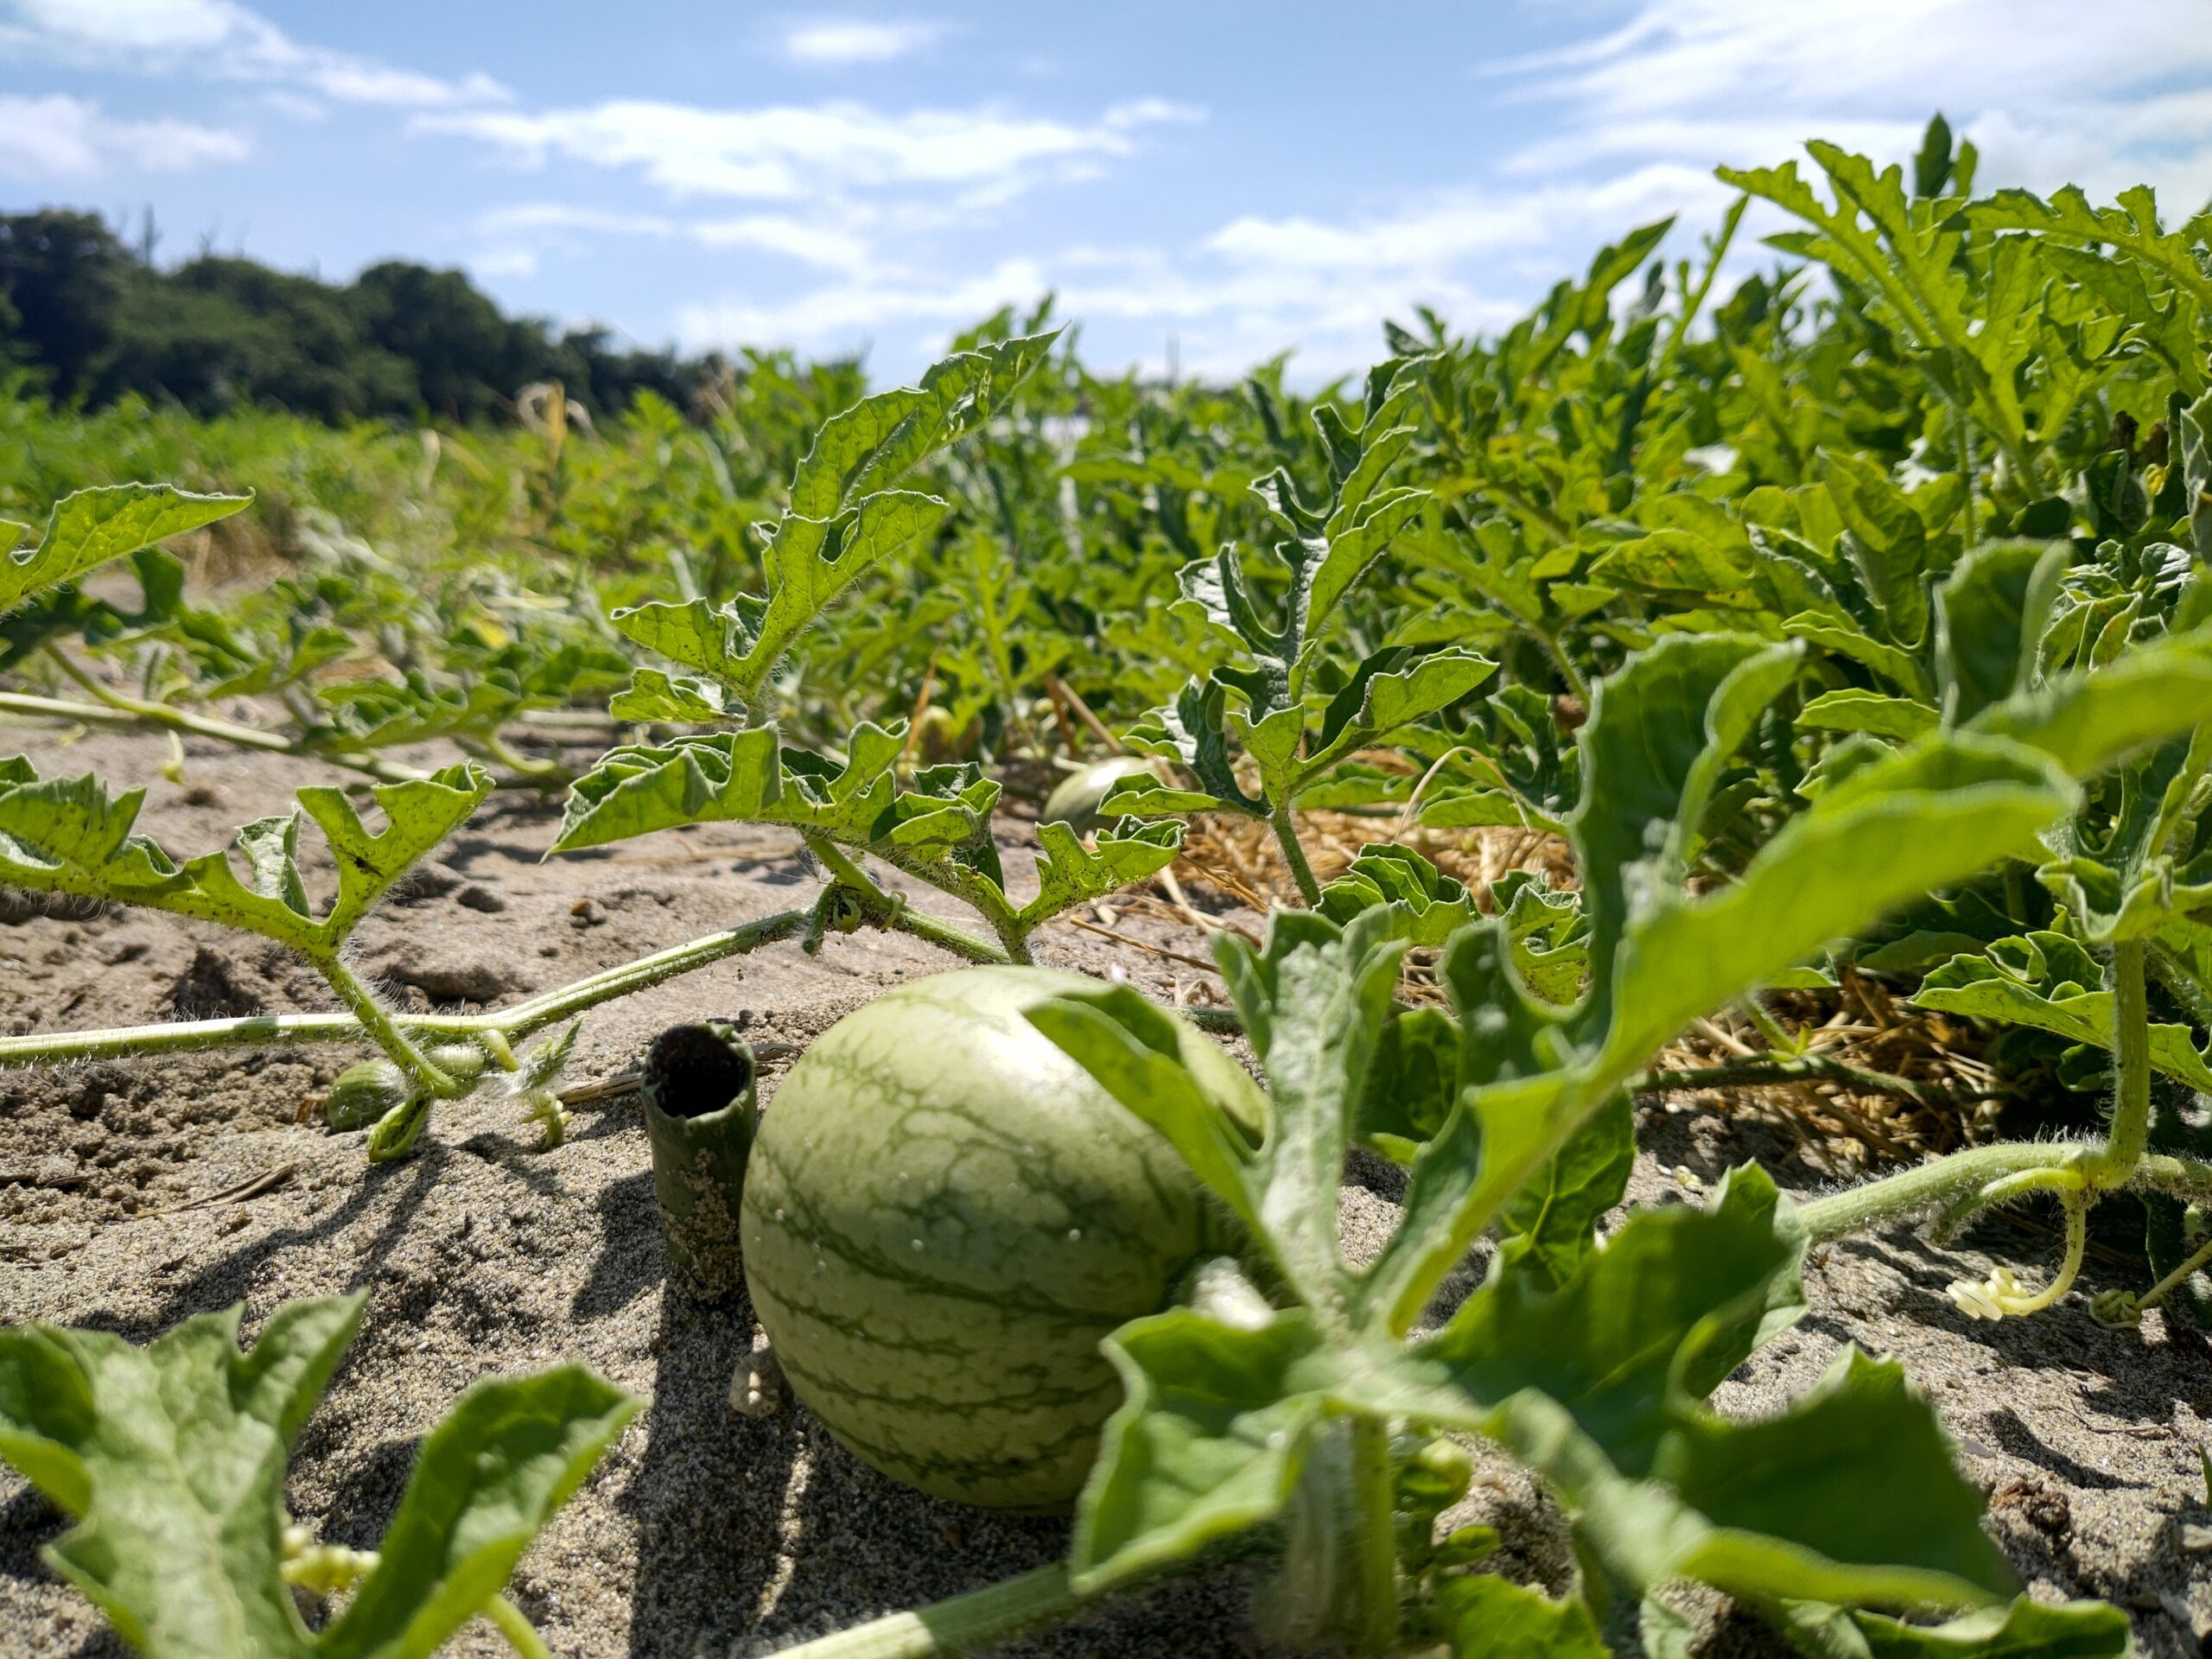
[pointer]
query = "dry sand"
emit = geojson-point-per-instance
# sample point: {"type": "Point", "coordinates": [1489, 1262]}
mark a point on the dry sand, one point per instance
{"type": "Point", "coordinates": [707, 1532]}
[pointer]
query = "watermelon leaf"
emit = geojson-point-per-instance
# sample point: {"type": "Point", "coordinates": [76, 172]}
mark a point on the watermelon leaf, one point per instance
{"type": "Point", "coordinates": [1069, 873]}
{"type": "Point", "coordinates": [1193, 731]}
{"type": "Point", "coordinates": [1434, 906]}
{"type": "Point", "coordinates": [1209, 1442]}
{"type": "Point", "coordinates": [170, 1459]}
{"type": "Point", "coordinates": [1991, 615]}
{"type": "Point", "coordinates": [2026, 1629]}
{"type": "Point", "coordinates": [1260, 699]}
{"type": "Point", "coordinates": [1527, 770]}
{"type": "Point", "coordinates": [1600, 1385]}
{"type": "Point", "coordinates": [1312, 998]}
{"type": "Point", "coordinates": [683, 698]}
{"type": "Point", "coordinates": [92, 527]}
{"type": "Point", "coordinates": [2047, 981]}
{"type": "Point", "coordinates": [1484, 1614]}
{"type": "Point", "coordinates": [751, 777]}
{"type": "Point", "coordinates": [1393, 690]}
{"type": "Point", "coordinates": [1590, 1362]}
{"type": "Point", "coordinates": [508, 1454]}
{"type": "Point", "coordinates": [843, 518]}
{"type": "Point", "coordinates": [1853, 709]}
{"type": "Point", "coordinates": [2091, 719]}
{"type": "Point", "coordinates": [68, 835]}
{"type": "Point", "coordinates": [2132, 228]}
{"type": "Point", "coordinates": [936, 826]}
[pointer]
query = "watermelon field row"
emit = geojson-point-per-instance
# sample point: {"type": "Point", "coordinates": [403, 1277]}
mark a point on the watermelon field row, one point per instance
{"type": "Point", "coordinates": [1811, 623]}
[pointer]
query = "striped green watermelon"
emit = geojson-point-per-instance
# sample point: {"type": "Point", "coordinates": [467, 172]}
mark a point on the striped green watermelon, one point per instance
{"type": "Point", "coordinates": [943, 1217]}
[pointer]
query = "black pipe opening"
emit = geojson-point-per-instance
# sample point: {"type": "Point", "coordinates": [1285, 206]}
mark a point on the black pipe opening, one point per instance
{"type": "Point", "coordinates": [694, 1069]}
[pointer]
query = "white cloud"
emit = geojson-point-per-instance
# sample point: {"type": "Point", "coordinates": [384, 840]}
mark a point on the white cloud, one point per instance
{"type": "Point", "coordinates": [1149, 112]}
{"type": "Point", "coordinates": [62, 138]}
{"type": "Point", "coordinates": [849, 41]}
{"type": "Point", "coordinates": [506, 262]}
{"type": "Point", "coordinates": [296, 106]}
{"type": "Point", "coordinates": [1250, 290]}
{"type": "Point", "coordinates": [1706, 142]}
{"type": "Point", "coordinates": [855, 312]}
{"type": "Point", "coordinates": [2048, 94]}
{"type": "Point", "coordinates": [1476, 255]}
{"type": "Point", "coordinates": [828, 241]}
{"type": "Point", "coordinates": [789, 152]}
{"type": "Point", "coordinates": [223, 39]}
{"type": "Point", "coordinates": [849, 224]}
{"type": "Point", "coordinates": [1898, 56]}
{"type": "Point", "coordinates": [1622, 128]}
{"type": "Point", "coordinates": [1224, 320]}
{"type": "Point", "coordinates": [1232, 307]}
{"type": "Point", "coordinates": [863, 193]}
{"type": "Point", "coordinates": [133, 25]}
{"type": "Point", "coordinates": [1628, 127]}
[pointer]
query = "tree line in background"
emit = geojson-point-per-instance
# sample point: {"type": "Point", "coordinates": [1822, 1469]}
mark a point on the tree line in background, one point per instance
{"type": "Point", "coordinates": [92, 318]}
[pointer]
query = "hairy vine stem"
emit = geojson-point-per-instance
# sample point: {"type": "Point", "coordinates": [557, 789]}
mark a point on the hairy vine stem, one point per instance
{"type": "Point", "coordinates": [2158, 1292]}
{"type": "Point", "coordinates": [129, 714]}
{"type": "Point", "coordinates": [137, 711]}
{"type": "Point", "coordinates": [376, 1023]}
{"type": "Point", "coordinates": [1375, 1606]}
{"type": "Point", "coordinates": [110, 713]}
{"type": "Point", "coordinates": [1963, 1186]}
{"type": "Point", "coordinates": [1301, 870]}
{"type": "Point", "coordinates": [390, 1029]}
{"type": "Point", "coordinates": [1759, 1069]}
{"type": "Point", "coordinates": [887, 910]}
{"type": "Point", "coordinates": [1953, 1220]}
{"type": "Point", "coordinates": [510, 1024]}
{"type": "Point", "coordinates": [1965, 1181]}
{"type": "Point", "coordinates": [2130, 1128]}
{"type": "Point", "coordinates": [962, 1624]}
{"type": "Point", "coordinates": [543, 775]}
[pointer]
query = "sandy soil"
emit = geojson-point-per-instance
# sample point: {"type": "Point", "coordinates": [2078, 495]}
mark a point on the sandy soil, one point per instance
{"type": "Point", "coordinates": [704, 1532]}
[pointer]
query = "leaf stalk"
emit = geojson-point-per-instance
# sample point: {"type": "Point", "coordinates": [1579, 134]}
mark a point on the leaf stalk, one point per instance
{"type": "Point", "coordinates": [2130, 1128]}
{"type": "Point", "coordinates": [1294, 854]}
{"type": "Point", "coordinates": [962, 1624]}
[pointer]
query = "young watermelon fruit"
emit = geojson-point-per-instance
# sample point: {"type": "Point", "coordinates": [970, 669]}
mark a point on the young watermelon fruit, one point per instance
{"type": "Point", "coordinates": [943, 1217]}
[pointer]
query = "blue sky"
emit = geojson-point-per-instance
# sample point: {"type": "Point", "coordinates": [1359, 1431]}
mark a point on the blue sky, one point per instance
{"type": "Point", "coordinates": [1237, 179]}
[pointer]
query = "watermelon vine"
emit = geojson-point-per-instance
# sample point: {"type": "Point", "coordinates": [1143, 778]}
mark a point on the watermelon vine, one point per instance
{"type": "Point", "coordinates": [1854, 626]}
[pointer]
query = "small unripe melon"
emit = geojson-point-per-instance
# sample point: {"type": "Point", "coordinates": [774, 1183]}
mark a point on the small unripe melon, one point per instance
{"type": "Point", "coordinates": [1077, 800]}
{"type": "Point", "coordinates": [943, 1218]}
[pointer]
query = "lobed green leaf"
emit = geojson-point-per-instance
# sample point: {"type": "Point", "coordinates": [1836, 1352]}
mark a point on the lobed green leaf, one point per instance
{"type": "Point", "coordinates": [510, 1452]}
{"type": "Point", "coordinates": [751, 777]}
{"type": "Point", "coordinates": [843, 518]}
{"type": "Point", "coordinates": [2049, 982]}
{"type": "Point", "coordinates": [1208, 1441]}
{"type": "Point", "coordinates": [2024, 1629]}
{"type": "Point", "coordinates": [170, 1459]}
{"type": "Point", "coordinates": [1486, 1617]}
{"type": "Point", "coordinates": [1069, 873]}
{"type": "Point", "coordinates": [92, 527]}
{"type": "Point", "coordinates": [67, 835]}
